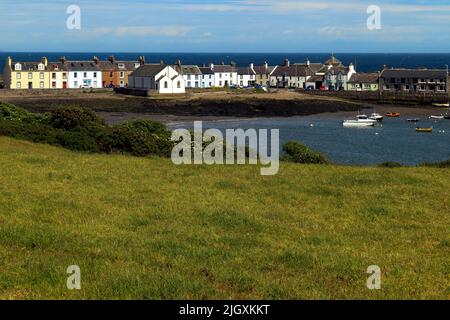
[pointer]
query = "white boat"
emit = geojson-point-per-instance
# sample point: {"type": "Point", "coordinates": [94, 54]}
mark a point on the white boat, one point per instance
{"type": "Point", "coordinates": [441, 105]}
{"type": "Point", "coordinates": [437, 117]}
{"type": "Point", "coordinates": [361, 121]}
{"type": "Point", "coordinates": [376, 116]}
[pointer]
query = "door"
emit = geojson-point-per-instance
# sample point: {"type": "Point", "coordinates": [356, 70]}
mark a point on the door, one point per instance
{"type": "Point", "coordinates": [30, 85]}
{"type": "Point", "coordinates": [64, 85]}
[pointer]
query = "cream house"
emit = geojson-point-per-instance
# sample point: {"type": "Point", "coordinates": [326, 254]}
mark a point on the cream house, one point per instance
{"type": "Point", "coordinates": [26, 75]}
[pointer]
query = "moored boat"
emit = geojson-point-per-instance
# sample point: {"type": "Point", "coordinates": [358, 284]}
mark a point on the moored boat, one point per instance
{"type": "Point", "coordinates": [393, 114]}
{"type": "Point", "coordinates": [426, 130]}
{"type": "Point", "coordinates": [361, 121]}
{"type": "Point", "coordinates": [441, 105]}
{"type": "Point", "coordinates": [437, 117]}
{"type": "Point", "coordinates": [413, 120]}
{"type": "Point", "coordinates": [376, 116]}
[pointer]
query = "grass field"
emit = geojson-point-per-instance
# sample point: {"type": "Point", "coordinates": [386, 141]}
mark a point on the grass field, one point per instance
{"type": "Point", "coordinates": [146, 229]}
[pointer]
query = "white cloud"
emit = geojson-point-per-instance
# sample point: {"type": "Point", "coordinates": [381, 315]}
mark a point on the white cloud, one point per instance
{"type": "Point", "coordinates": [142, 31]}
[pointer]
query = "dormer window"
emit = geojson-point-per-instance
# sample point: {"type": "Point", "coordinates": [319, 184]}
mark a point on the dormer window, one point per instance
{"type": "Point", "coordinates": [121, 66]}
{"type": "Point", "coordinates": [18, 67]}
{"type": "Point", "coordinates": [41, 67]}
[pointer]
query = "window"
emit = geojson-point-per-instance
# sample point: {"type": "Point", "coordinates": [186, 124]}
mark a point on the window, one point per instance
{"type": "Point", "coordinates": [95, 84]}
{"type": "Point", "coordinates": [18, 75]}
{"type": "Point", "coordinates": [242, 77]}
{"type": "Point", "coordinates": [41, 75]}
{"type": "Point", "coordinates": [220, 83]}
{"type": "Point", "coordinates": [231, 75]}
{"type": "Point", "coordinates": [18, 85]}
{"type": "Point", "coordinates": [95, 74]}
{"type": "Point", "coordinates": [242, 83]}
{"type": "Point", "coordinates": [189, 84]}
{"type": "Point", "coordinates": [189, 77]}
{"type": "Point", "coordinates": [111, 75]}
{"type": "Point", "coordinates": [41, 67]}
{"type": "Point", "coordinates": [41, 85]}
{"type": "Point", "coordinates": [53, 84]}
{"type": "Point", "coordinates": [220, 75]}
{"type": "Point", "coordinates": [196, 77]}
{"type": "Point", "coordinates": [84, 74]}
{"type": "Point", "coordinates": [75, 75]}
{"type": "Point", "coordinates": [18, 67]}
{"type": "Point", "coordinates": [196, 84]}
{"type": "Point", "coordinates": [64, 75]}
{"type": "Point", "coordinates": [210, 84]}
{"type": "Point", "coordinates": [122, 74]}
{"type": "Point", "coordinates": [178, 84]}
{"type": "Point", "coordinates": [210, 76]}
{"type": "Point", "coordinates": [30, 75]}
{"type": "Point", "coordinates": [121, 65]}
{"type": "Point", "coordinates": [75, 84]}
{"type": "Point", "coordinates": [166, 84]}
{"type": "Point", "coordinates": [53, 75]}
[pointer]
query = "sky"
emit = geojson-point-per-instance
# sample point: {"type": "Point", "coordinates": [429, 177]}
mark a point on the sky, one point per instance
{"type": "Point", "coordinates": [225, 26]}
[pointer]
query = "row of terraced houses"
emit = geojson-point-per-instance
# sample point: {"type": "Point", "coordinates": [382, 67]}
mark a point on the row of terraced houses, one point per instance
{"type": "Point", "coordinates": [176, 78]}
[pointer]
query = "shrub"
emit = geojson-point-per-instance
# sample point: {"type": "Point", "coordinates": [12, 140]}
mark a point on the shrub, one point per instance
{"type": "Point", "coordinates": [151, 127]}
{"type": "Point", "coordinates": [11, 112]}
{"type": "Point", "coordinates": [77, 141]}
{"type": "Point", "coordinates": [390, 164]}
{"type": "Point", "coordinates": [299, 153]}
{"type": "Point", "coordinates": [443, 164]}
{"type": "Point", "coordinates": [72, 117]}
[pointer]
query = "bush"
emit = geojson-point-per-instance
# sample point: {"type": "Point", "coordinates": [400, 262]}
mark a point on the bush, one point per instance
{"type": "Point", "coordinates": [11, 112]}
{"type": "Point", "coordinates": [390, 164]}
{"type": "Point", "coordinates": [77, 141]}
{"type": "Point", "coordinates": [299, 153]}
{"type": "Point", "coordinates": [443, 164]}
{"type": "Point", "coordinates": [73, 117]}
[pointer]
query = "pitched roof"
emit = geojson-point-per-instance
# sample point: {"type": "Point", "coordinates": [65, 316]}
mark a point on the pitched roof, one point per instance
{"type": "Point", "coordinates": [413, 73]}
{"type": "Point", "coordinates": [206, 70]}
{"type": "Point", "coordinates": [224, 68]}
{"type": "Point", "coordinates": [81, 66]}
{"type": "Point", "coordinates": [56, 66]}
{"type": "Point", "coordinates": [293, 71]}
{"type": "Point", "coordinates": [316, 79]}
{"type": "Point", "coordinates": [333, 61]}
{"type": "Point", "coordinates": [246, 71]}
{"type": "Point", "coordinates": [188, 69]}
{"type": "Point", "coordinates": [148, 70]}
{"type": "Point", "coordinates": [28, 66]}
{"type": "Point", "coordinates": [261, 70]}
{"type": "Point", "coordinates": [364, 78]}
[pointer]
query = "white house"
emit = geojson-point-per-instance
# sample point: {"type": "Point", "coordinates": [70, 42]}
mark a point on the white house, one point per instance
{"type": "Point", "coordinates": [225, 75]}
{"type": "Point", "coordinates": [246, 76]}
{"type": "Point", "coordinates": [208, 79]}
{"type": "Point", "coordinates": [191, 74]}
{"type": "Point", "coordinates": [159, 77]}
{"type": "Point", "coordinates": [83, 74]}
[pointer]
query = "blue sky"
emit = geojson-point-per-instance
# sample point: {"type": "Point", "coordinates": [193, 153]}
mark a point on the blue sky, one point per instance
{"type": "Point", "coordinates": [225, 26]}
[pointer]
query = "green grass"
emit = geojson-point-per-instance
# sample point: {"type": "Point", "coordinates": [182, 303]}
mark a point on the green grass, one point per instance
{"type": "Point", "coordinates": [144, 228]}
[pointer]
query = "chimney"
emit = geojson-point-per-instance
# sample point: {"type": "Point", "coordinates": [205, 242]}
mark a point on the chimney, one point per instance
{"type": "Point", "coordinates": [9, 61]}
{"type": "Point", "coordinates": [63, 60]}
{"type": "Point", "coordinates": [266, 65]}
{"type": "Point", "coordinates": [232, 63]}
{"type": "Point", "coordinates": [45, 61]}
{"type": "Point", "coordinates": [96, 60]}
{"type": "Point", "coordinates": [178, 63]}
{"type": "Point", "coordinates": [351, 67]}
{"type": "Point", "coordinates": [211, 65]}
{"type": "Point", "coordinates": [307, 62]}
{"type": "Point", "coordinates": [112, 59]}
{"type": "Point", "coordinates": [251, 66]}
{"type": "Point", "coordinates": [161, 62]}
{"type": "Point", "coordinates": [287, 63]}
{"type": "Point", "coordinates": [141, 60]}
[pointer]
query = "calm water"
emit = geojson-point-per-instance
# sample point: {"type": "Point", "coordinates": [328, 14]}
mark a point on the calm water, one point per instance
{"type": "Point", "coordinates": [364, 62]}
{"type": "Point", "coordinates": [396, 140]}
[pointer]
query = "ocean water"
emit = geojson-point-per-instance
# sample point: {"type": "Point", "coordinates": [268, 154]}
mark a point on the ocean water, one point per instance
{"type": "Point", "coordinates": [395, 140]}
{"type": "Point", "coordinates": [365, 62]}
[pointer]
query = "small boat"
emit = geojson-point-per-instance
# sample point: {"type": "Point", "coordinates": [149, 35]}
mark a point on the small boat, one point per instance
{"type": "Point", "coordinates": [441, 105]}
{"type": "Point", "coordinates": [413, 120]}
{"type": "Point", "coordinates": [376, 116]}
{"type": "Point", "coordinates": [437, 117]}
{"type": "Point", "coordinates": [361, 121]}
{"type": "Point", "coordinates": [427, 130]}
{"type": "Point", "coordinates": [393, 114]}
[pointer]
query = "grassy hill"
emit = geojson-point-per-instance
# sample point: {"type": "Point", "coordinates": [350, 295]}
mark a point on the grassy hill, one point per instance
{"type": "Point", "coordinates": [144, 228]}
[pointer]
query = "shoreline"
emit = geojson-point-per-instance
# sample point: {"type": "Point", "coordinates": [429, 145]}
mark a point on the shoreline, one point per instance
{"type": "Point", "coordinates": [208, 106]}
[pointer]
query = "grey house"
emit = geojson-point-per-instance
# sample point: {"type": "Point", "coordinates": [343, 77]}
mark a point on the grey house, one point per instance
{"type": "Point", "coordinates": [414, 80]}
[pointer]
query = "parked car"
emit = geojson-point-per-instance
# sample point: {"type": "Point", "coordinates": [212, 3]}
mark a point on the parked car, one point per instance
{"type": "Point", "coordinates": [310, 88]}
{"type": "Point", "coordinates": [323, 88]}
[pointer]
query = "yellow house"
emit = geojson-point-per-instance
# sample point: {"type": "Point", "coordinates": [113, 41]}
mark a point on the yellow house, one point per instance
{"type": "Point", "coordinates": [27, 75]}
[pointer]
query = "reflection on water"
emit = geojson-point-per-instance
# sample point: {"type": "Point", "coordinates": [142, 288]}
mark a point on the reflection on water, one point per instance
{"type": "Point", "coordinates": [394, 140]}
